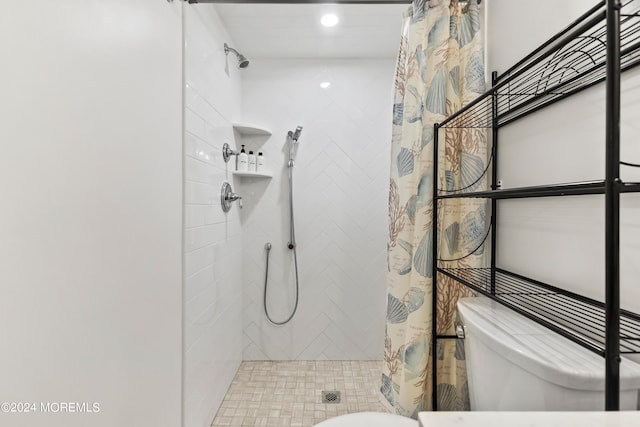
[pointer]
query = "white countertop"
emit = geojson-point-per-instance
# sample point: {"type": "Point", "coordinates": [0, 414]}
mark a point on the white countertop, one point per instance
{"type": "Point", "coordinates": [529, 419]}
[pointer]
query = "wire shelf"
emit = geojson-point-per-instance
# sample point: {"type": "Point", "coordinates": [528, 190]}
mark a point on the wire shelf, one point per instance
{"type": "Point", "coordinates": [568, 189]}
{"type": "Point", "coordinates": [573, 316]}
{"type": "Point", "coordinates": [572, 61]}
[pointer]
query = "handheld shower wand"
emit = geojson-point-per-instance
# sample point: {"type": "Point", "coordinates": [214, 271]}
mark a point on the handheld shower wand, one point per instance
{"type": "Point", "coordinates": [292, 137]}
{"type": "Point", "coordinates": [295, 135]}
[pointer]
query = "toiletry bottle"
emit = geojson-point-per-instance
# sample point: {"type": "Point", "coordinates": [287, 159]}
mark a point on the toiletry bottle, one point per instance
{"type": "Point", "coordinates": [252, 162]}
{"type": "Point", "coordinates": [243, 161]}
{"type": "Point", "coordinates": [261, 165]}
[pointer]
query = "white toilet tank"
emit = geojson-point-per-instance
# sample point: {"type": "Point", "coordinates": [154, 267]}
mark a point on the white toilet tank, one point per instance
{"type": "Point", "coordinates": [515, 364]}
{"type": "Point", "coordinates": [369, 419]}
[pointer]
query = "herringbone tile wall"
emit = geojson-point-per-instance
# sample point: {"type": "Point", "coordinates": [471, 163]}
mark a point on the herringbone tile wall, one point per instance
{"type": "Point", "coordinates": [340, 199]}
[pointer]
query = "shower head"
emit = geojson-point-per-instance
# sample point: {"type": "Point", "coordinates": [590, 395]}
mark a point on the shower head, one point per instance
{"type": "Point", "coordinates": [295, 135]}
{"type": "Point", "coordinates": [243, 62]}
{"type": "Point", "coordinates": [292, 138]}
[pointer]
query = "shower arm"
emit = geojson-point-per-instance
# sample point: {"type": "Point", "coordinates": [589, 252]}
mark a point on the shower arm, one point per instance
{"type": "Point", "coordinates": [228, 49]}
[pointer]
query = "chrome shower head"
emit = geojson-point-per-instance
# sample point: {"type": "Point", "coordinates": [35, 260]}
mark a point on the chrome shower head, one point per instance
{"type": "Point", "coordinates": [243, 62]}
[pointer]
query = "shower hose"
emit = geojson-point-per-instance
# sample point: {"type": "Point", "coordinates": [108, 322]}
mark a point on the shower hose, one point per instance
{"type": "Point", "coordinates": [293, 247]}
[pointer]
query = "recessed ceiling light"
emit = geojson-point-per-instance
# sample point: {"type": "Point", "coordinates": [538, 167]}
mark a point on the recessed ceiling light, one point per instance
{"type": "Point", "coordinates": [329, 20]}
{"type": "Point", "coordinates": [324, 79]}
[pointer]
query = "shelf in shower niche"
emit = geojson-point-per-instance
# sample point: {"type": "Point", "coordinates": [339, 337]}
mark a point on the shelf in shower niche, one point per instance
{"type": "Point", "coordinates": [253, 174]}
{"type": "Point", "coordinates": [251, 130]}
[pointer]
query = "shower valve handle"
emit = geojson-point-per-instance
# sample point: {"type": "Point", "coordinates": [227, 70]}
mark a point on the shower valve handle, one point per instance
{"type": "Point", "coordinates": [227, 196]}
{"type": "Point", "coordinates": [232, 197]}
{"type": "Point", "coordinates": [227, 152]}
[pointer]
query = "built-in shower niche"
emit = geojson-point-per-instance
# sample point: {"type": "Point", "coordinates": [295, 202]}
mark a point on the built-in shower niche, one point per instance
{"type": "Point", "coordinates": [252, 185]}
{"type": "Point", "coordinates": [253, 138]}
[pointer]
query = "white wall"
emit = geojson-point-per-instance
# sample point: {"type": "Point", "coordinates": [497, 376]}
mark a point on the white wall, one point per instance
{"type": "Point", "coordinates": [213, 240]}
{"type": "Point", "coordinates": [561, 240]}
{"type": "Point", "coordinates": [340, 196]}
{"type": "Point", "coordinates": [90, 224]}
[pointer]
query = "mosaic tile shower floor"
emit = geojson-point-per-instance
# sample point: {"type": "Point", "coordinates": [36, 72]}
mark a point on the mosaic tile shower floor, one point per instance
{"type": "Point", "coordinates": [288, 394]}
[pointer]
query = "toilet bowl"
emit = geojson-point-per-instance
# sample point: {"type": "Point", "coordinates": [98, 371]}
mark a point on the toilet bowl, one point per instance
{"type": "Point", "coordinates": [515, 364]}
{"type": "Point", "coordinates": [368, 419]}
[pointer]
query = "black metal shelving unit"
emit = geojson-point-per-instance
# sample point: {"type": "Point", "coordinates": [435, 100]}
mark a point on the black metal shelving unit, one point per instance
{"type": "Point", "coordinates": [595, 48]}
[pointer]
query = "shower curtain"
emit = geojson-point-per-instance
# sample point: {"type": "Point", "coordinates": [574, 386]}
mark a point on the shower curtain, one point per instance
{"type": "Point", "coordinates": [440, 68]}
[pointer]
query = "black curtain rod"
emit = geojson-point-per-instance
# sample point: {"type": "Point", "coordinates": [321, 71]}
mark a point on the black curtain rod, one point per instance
{"type": "Point", "coordinates": [308, 1]}
{"type": "Point", "coordinates": [303, 1]}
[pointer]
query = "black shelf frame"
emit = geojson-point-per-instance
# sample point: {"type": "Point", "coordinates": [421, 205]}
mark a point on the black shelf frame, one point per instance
{"type": "Point", "coordinates": [573, 60]}
{"type": "Point", "coordinates": [570, 189]}
{"type": "Point", "coordinates": [597, 47]}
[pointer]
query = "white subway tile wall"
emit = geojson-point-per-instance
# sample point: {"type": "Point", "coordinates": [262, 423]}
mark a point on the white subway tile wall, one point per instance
{"type": "Point", "coordinates": [212, 239]}
{"type": "Point", "coordinates": [340, 197]}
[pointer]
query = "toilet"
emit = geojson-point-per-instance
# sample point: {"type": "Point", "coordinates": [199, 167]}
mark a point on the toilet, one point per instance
{"type": "Point", "coordinates": [368, 419]}
{"type": "Point", "coordinates": [515, 364]}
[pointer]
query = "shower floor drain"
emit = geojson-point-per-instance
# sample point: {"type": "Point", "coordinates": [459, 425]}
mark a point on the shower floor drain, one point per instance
{"type": "Point", "coordinates": [330, 397]}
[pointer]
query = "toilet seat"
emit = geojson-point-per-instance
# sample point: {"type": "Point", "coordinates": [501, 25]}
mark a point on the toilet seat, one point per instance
{"type": "Point", "coordinates": [369, 419]}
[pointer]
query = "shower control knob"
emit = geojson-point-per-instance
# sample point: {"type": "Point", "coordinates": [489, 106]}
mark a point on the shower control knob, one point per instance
{"type": "Point", "coordinates": [232, 197]}
{"type": "Point", "coordinates": [227, 152]}
{"type": "Point", "coordinates": [227, 196]}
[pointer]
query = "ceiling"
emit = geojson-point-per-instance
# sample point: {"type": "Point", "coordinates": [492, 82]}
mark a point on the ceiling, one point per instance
{"type": "Point", "coordinates": [294, 31]}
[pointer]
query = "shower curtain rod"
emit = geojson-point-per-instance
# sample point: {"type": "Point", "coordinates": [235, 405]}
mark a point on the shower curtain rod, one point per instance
{"type": "Point", "coordinates": [308, 1]}
{"type": "Point", "coordinates": [303, 1]}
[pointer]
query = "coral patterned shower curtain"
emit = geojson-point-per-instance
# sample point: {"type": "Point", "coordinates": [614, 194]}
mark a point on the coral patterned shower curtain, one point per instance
{"type": "Point", "coordinates": [440, 68]}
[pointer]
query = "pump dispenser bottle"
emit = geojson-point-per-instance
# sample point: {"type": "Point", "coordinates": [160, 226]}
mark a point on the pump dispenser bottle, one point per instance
{"type": "Point", "coordinates": [261, 165]}
{"type": "Point", "coordinates": [243, 161]}
{"type": "Point", "coordinates": [252, 162]}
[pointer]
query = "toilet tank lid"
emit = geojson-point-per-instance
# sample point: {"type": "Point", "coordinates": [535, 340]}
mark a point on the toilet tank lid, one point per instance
{"type": "Point", "coordinates": [369, 419]}
{"type": "Point", "coordinates": [537, 349]}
